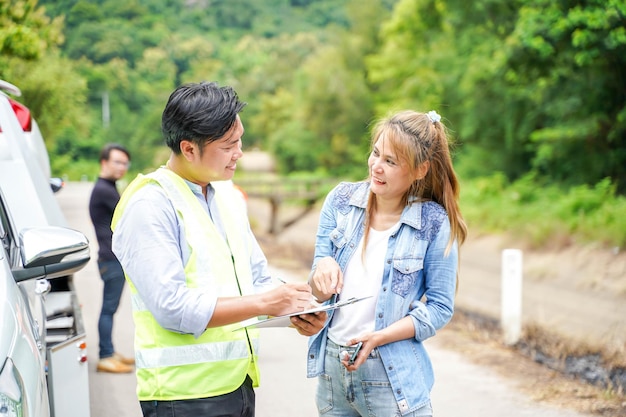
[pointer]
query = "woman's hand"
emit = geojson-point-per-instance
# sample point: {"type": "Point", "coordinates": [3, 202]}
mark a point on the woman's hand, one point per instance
{"type": "Point", "coordinates": [370, 342]}
{"type": "Point", "coordinates": [399, 330]}
{"type": "Point", "coordinates": [327, 279]}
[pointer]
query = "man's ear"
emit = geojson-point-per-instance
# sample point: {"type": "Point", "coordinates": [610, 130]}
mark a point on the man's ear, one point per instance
{"type": "Point", "coordinates": [422, 170]}
{"type": "Point", "coordinates": [188, 149]}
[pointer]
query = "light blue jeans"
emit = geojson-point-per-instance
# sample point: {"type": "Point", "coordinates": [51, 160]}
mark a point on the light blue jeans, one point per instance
{"type": "Point", "coordinates": [365, 392]}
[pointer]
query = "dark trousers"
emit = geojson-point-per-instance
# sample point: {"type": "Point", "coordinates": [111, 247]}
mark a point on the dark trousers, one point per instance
{"type": "Point", "coordinates": [239, 403]}
{"type": "Point", "coordinates": [113, 278]}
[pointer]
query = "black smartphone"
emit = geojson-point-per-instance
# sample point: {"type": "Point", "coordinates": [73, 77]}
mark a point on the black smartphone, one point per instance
{"type": "Point", "coordinates": [356, 352]}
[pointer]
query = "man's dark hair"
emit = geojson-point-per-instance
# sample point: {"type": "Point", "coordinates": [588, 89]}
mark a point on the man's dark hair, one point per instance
{"type": "Point", "coordinates": [105, 152]}
{"type": "Point", "coordinates": [199, 112]}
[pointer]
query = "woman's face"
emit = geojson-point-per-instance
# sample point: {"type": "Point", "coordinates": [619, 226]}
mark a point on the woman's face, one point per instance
{"type": "Point", "coordinates": [390, 176]}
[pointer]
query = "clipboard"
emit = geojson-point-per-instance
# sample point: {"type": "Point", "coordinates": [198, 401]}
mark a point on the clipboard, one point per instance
{"type": "Point", "coordinates": [283, 321]}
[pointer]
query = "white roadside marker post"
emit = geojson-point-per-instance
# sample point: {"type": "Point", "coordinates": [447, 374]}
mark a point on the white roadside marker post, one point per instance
{"type": "Point", "coordinates": [511, 308]}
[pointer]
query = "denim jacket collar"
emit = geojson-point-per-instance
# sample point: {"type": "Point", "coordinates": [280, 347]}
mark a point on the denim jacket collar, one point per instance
{"type": "Point", "coordinates": [411, 215]}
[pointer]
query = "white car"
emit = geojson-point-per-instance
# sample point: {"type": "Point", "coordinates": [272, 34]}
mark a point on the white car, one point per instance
{"type": "Point", "coordinates": [32, 135]}
{"type": "Point", "coordinates": [43, 369]}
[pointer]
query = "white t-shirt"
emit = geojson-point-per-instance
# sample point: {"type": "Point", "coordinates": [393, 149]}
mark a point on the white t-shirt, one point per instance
{"type": "Point", "coordinates": [363, 277]}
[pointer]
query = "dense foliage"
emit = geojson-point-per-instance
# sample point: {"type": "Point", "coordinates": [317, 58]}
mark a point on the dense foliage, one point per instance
{"type": "Point", "coordinates": [529, 88]}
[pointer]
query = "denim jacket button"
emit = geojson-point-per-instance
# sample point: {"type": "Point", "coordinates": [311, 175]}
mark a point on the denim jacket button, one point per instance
{"type": "Point", "coordinates": [380, 315]}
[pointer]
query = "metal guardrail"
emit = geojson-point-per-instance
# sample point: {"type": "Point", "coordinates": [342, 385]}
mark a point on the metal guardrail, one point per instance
{"type": "Point", "coordinates": [278, 190]}
{"type": "Point", "coordinates": [286, 188]}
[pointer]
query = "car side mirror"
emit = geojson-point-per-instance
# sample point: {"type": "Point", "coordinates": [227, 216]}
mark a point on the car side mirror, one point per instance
{"type": "Point", "coordinates": [56, 184]}
{"type": "Point", "coordinates": [51, 252]}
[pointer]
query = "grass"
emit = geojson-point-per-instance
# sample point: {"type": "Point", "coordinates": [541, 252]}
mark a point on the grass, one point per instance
{"type": "Point", "coordinates": [546, 215]}
{"type": "Point", "coordinates": [559, 377]}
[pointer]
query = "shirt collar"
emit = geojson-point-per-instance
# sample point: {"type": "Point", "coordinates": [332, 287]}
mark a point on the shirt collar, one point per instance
{"type": "Point", "coordinates": [197, 190]}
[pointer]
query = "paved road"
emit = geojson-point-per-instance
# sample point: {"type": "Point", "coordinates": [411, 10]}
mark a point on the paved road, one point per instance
{"type": "Point", "coordinates": [462, 388]}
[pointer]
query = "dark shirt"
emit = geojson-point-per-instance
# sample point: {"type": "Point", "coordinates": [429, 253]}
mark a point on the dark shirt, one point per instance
{"type": "Point", "coordinates": [104, 198]}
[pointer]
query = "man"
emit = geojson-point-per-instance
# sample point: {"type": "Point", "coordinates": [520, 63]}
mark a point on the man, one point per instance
{"type": "Point", "coordinates": [194, 267]}
{"type": "Point", "coordinates": [114, 163]}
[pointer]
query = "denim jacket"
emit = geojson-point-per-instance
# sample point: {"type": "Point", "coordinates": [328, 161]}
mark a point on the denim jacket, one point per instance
{"type": "Point", "coordinates": [419, 281]}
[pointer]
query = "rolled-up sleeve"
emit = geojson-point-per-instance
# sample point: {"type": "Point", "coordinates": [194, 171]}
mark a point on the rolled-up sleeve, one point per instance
{"type": "Point", "coordinates": [440, 270]}
{"type": "Point", "coordinates": [261, 276]}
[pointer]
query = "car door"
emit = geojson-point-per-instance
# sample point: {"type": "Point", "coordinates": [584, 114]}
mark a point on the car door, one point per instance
{"type": "Point", "coordinates": [23, 385]}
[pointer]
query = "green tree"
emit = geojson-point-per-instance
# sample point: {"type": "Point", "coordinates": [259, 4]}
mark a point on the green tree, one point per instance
{"type": "Point", "coordinates": [527, 85]}
{"type": "Point", "coordinates": [55, 99]}
{"type": "Point", "coordinates": [574, 55]}
{"type": "Point", "coordinates": [335, 105]}
{"type": "Point", "coordinates": [328, 100]}
{"type": "Point", "coordinates": [416, 42]}
{"type": "Point", "coordinates": [83, 11]}
{"type": "Point", "coordinates": [262, 71]}
{"type": "Point", "coordinates": [29, 58]}
{"type": "Point", "coordinates": [25, 30]}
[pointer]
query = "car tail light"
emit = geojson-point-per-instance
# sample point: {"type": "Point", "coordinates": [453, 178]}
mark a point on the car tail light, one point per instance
{"type": "Point", "coordinates": [23, 115]}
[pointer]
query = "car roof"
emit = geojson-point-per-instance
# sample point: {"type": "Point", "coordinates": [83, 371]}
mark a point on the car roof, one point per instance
{"type": "Point", "coordinates": [10, 88]}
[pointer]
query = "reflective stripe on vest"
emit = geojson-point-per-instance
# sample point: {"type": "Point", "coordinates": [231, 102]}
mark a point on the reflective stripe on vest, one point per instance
{"type": "Point", "coordinates": [177, 366]}
{"type": "Point", "coordinates": [207, 352]}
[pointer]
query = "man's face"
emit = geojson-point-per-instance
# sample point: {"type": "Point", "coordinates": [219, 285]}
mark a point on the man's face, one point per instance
{"type": "Point", "coordinates": [116, 166]}
{"type": "Point", "coordinates": [218, 159]}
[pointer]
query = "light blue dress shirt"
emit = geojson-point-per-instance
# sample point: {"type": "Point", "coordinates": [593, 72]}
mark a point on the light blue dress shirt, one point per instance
{"type": "Point", "coordinates": [149, 240]}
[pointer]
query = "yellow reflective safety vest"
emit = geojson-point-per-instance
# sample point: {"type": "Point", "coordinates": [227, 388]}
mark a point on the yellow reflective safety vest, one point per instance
{"type": "Point", "coordinates": [174, 366]}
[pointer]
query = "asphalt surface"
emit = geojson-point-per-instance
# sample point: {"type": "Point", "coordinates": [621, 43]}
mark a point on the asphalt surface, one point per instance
{"type": "Point", "coordinates": [461, 389]}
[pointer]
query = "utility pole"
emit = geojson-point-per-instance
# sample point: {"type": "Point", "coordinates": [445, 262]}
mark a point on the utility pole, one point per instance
{"type": "Point", "coordinates": [106, 111]}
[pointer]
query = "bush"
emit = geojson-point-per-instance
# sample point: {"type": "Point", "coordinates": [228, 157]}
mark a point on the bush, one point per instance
{"type": "Point", "coordinates": [545, 214]}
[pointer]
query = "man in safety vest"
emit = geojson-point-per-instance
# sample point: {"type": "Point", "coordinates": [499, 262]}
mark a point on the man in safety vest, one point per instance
{"type": "Point", "coordinates": [194, 268]}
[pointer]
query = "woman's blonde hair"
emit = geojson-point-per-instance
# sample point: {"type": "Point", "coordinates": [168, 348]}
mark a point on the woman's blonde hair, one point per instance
{"type": "Point", "coordinates": [417, 138]}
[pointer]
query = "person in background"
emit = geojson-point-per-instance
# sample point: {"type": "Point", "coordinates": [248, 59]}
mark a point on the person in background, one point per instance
{"type": "Point", "coordinates": [394, 238]}
{"type": "Point", "coordinates": [114, 163]}
{"type": "Point", "coordinates": [195, 268]}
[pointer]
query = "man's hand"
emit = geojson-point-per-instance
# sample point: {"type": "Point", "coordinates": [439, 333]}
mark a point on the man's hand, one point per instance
{"type": "Point", "coordinates": [287, 299]}
{"type": "Point", "coordinates": [309, 324]}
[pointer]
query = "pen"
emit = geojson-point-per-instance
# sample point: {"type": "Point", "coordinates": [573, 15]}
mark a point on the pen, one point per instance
{"type": "Point", "coordinates": [281, 280]}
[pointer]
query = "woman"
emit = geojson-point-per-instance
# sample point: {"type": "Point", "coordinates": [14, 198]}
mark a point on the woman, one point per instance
{"type": "Point", "coordinates": [394, 238]}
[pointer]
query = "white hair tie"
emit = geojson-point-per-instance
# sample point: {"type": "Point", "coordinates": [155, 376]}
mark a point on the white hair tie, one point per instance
{"type": "Point", "coordinates": [433, 116]}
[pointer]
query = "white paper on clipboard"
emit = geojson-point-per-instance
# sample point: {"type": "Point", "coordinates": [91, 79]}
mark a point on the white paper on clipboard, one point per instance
{"type": "Point", "coordinates": [283, 321]}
